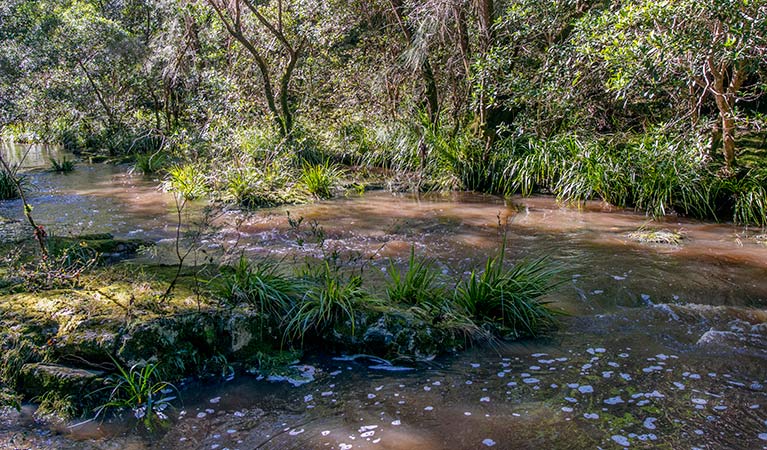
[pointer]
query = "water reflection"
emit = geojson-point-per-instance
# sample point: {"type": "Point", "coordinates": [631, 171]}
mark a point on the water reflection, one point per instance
{"type": "Point", "coordinates": [32, 156]}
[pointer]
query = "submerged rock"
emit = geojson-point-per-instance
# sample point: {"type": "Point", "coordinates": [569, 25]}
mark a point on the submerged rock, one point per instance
{"type": "Point", "coordinates": [395, 334]}
{"type": "Point", "coordinates": [103, 244]}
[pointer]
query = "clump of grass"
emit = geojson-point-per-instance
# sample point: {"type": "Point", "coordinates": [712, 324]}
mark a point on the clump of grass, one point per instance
{"type": "Point", "coordinates": [416, 286]}
{"type": "Point", "coordinates": [510, 298]}
{"type": "Point", "coordinates": [240, 188]}
{"type": "Point", "coordinates": [666, 237]}
{"type": "Point", "coordinates": [750, 198]}
{"type": "Point", "coordinates": [667, 174]}
{"type": "Point", "coordinates": [260, 285]}
{"type": "Point", "coordinates": [269, 185]}
{"type": "Point", "coordinates": [187, 180]}
{"type": "Point", "coordinates": [150, 163]}
{"type": "Point", "coordinates": [55, 404]}
{"type": "Point", "coordinates": [652, 172]}
{"type": "Point", "coordinates": [10, 399]}
{"type": "Point", "coordinates": [16, 351]}
{"type": "Point", "coordinates": [319, 179]}
{"type": "Point", "coordinates": [8, 188]}
{"type": "Point", "coordinates": [450, 160]}
{"type": "Point", "coordinates": [139, 390]}
{"type": "Point", "coordinates": [431, 157]}
{"type": "Point", "coordinates": [63, 165]}
{"type": "Point", "coordinates": [330, 301]}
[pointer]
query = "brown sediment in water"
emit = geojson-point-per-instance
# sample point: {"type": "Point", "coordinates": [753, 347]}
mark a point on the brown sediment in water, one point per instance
{"type": "Point", "coordinates": [679, 327]}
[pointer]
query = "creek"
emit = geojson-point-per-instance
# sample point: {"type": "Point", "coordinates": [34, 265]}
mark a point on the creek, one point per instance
{"type": "Point", "coordinates": [664, 346]}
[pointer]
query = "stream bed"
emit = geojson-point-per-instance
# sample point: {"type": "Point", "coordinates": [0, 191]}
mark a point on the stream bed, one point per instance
{"type": "Point", "coordinates": [664, 346]}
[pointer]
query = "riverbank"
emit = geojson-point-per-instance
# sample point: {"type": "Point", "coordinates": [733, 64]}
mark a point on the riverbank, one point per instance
{"type": "Point", "coordinates": [74, 331]}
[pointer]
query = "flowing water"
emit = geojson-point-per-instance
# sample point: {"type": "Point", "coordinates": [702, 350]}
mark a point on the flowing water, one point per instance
{"type": "Point", "coordinates": [665, 345]}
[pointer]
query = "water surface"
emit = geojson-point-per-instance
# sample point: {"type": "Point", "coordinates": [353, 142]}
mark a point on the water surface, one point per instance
{"type": "Point", "coordinates": [665, 347]}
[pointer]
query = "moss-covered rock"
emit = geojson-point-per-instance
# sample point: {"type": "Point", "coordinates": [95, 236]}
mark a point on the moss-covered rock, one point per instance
{"type": "Point", "coordinates": [38, 379]}
{"type": "Point", "coordinates": [118, 313]}
{"type": "Point", "coordinates": [103, 244]}
{"type": "Point", "coordinates": [90, 341]}
{"type": "Point", "coordinates": [180, 344]}
{"type": "Point", "coordinates": [394, 334]}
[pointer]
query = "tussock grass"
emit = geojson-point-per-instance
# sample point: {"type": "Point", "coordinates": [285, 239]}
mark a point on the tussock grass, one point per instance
{"type": "Point", "coordinates": [330, 301]}
{"type": "Point", "coordinates": [319, 179]}
{"type": "Point", "coordinates": [417, 286]}
{"type": "Point", "coordinates": [268, 185]}
{"type": "Point", "coordinates": [747, 193]}
{"type": "Point", "coordinates": [140, 390]}
{"type": "Point", "coordinates": [261, 285]}
{"type": "Point", "coordinates": [63, 165]}
{"type": "Point", "coordinates": [150, 163]}
{"type": "Point", "coordinates": [187, 180]}
{"type": "Point", "coordinates": [510, 298]}
{"type": "Point", "coordinates": [656, 172]}
{"type": "Point", "coordinates": [652, 173]}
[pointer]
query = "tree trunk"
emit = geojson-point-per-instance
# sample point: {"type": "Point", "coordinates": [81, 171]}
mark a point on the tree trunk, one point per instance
{"type": "Point", "coordinates": [432, 96]}
{"type": "Point", "coordinates": [284, 118]}
{"type": "Point", "coordinates": [725, 96]}
{"type": "Point", "coordinates": [728, 139]}
{"type": "Point", "coordinates": [485, 111]}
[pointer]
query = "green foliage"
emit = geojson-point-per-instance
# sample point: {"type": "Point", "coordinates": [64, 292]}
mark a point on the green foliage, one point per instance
{"type": "Point", "coordinates": [187, 180]}
{"type": "Point", "coordinates": [651, 172]}
{"type": "Point", "coordinates": [10, 399]}
{"type": "Point", "coordinates": [260, 285]}
{"type": "Point", "coordinates": [53, 403]}
{"type": "Point", "coordinates": [510, 298]}
{"type": "Point", "coordinates": [71, 256]}
{"type": "Point", "coordinates": [150, 163]}
{"type": "Point", "coordinates": [417, 286]}
{"type": "Point", "coordinates": [16, 351]}
{"type": "Point", "coordinates": [63, 165]}
{"type": "Point", "coordinates": [668, 175]}
{"type": "Point", "coordinates": [747, 195]}
{"type": "Point", "coordinates": [319, 179]}
{"type": "Point", "coordinates": [440, 158]}
{"type": "Point", "coordinates": [67, 261]}
{"type": "Point", "coordinates": [8, 188]}
{"type": "Point", "coordinates": [270, 184]}
{"type": "Point", "coordinates": [331, 300]}
{"type": "Point", "coordinates": [139, 390]}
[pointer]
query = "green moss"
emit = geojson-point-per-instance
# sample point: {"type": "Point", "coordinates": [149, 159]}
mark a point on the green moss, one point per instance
{"type": "Point", "coordinates": [103, 243]}
{"type": "Point", "coordinates": [275, 362]}
{"type": "Point", "coordinates": [53, 381]}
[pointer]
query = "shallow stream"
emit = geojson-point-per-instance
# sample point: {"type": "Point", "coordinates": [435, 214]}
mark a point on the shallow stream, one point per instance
{"type": "Point", "coordinates": [665, 345]}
